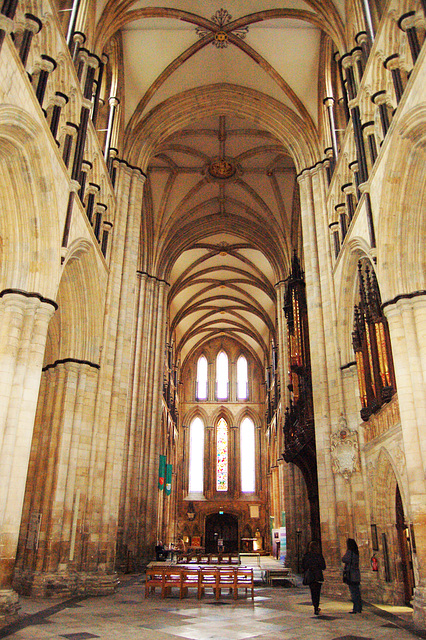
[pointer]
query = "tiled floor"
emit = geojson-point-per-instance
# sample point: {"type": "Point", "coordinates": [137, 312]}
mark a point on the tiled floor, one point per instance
{"type": "Point", "coordinates": [278, 613]}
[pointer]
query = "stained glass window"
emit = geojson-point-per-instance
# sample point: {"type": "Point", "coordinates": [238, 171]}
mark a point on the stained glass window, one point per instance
{"type": "Point", "coordinates": [222, 376]}
{"type": "Point", "coordinates": [242, 379]}
{"type": "Point", "coordinates": [222, 456]}
{"type": "Point", "coordinates": [202, 378]}
{"type": "Point", "coordinates": [247, 448]}
{"type": "Point", "coordinates": [196, 456]}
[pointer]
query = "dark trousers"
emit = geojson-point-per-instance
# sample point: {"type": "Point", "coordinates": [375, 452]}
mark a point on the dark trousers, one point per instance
{"type": "Point", "coordinates": [315, 588]}
{"type": "Point", "coordinates": [356, 597]}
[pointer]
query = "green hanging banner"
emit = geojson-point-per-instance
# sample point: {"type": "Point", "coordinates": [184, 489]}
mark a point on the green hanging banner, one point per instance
{"type": "Point", "coordinates": [168, 479]}
{"type": "Point", "coordinates": [161, 472]}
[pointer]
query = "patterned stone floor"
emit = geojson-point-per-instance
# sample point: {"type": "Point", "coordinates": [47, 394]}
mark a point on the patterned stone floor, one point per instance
{"type": "Point", "coordinates": [277, 613]}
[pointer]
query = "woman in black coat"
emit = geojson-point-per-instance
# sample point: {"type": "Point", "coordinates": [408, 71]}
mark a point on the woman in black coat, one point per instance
{"type": "Point", "coordinates": [351, 561]}
{"type": "Point", "coordinates": [313, 564]}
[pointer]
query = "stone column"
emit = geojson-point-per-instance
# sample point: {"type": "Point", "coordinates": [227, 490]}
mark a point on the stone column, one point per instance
{"type": "Point", "coordinates": [325, 361]}
{"type": "Point", "coordinates": [32, 26]}
{"type": "Point", "coordinates": [59, 101]}
{"type": "Point", "coordinates": [392, 64]}
{"type": "Point", "coordinates": [24, 322]}
{"type": "Point", "coordinates": [406, 316]}
{"type": "Point", "coordinates": [153, 446]}
{"type": "Point", "coordinates": [380, 100]}
{"type": "Point", "coordinates": [112, 401]}
{"type": "Point", "coordinates": [52, 558]}
{"type": "Point", "coordinates": [46, 66]}
{"type": "Point", "coordinates": [407, 23]}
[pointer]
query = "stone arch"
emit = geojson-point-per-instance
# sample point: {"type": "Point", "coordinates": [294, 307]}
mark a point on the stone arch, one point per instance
{"type": "Point", "coordinates": [387, 482]}
{"type": "Point", "coordinates": [385, 488]}
{"type": "Point", "coordinates": [247, 412]}
{"type": "Point", "coordinates": [29, 229]}
{"type": "Point", "coordinates": [401, 251]}
{"type": "Point", "coordinates": [223, 412]}
{"type": "Point", "coordinates": [195, 412]}
{"type": "Point", "coordinates": [75, 331]}
{"type": "Point", "coordinates": [351, 254]}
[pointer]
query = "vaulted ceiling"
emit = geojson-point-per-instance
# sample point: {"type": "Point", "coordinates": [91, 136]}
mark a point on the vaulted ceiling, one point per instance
{"type": "Point", "coordinates": [221, 198]}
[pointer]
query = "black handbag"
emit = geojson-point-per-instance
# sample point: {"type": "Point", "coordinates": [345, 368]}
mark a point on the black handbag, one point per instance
{"type": "Point", "coordinates": [307, 577]}
{"type": "Point", "coordinates": [347, 573]}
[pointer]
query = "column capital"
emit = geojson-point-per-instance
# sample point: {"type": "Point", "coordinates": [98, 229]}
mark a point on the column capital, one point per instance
{"type": "Point", "coordinates": [86, 165]}
{"type": "Point", "coordinates": [402, 300]}
{"type": "Point", "coordinates": [93, 188]}
{"type": "Point", "coordinates": [392, 62]}
{"type": "Point", "coordinates": [6, 24]}
{"type": "Point", "coordinates": [328, 101]}
{"type": "Point", "coordinates": [60, 99]}
{"type": "Point", "coordinates": [32, 23]}
{"type": "Point", "coordinates": [348, 188]}
{"type": "Point", "coordinates": [361, 38]}
{"type": "Point", "coordinates": [79, 37]}
{"type": "Point", "coordinates": [356, 54]}
{"type": "Point", "coordinates": [380, 97]}
{"type": "Point", "coordinates": [113, 101]}
{"type": "Point", "coordinates": [407, 21]}
{"type": "Point", "coordinates": [47, 63]}
{"type": "Point", "coordinates": [21, 294]}
{"type": "Point", "coordinates": [369, 127]}
{"type": "Point", "coordinates": [346, 60]}
{"type": "Point", "coordinates": [93, 60]}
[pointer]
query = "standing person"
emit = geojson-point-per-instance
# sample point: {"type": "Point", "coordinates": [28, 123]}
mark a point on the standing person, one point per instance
{"type": "Point", "coordinates": [313, 564]}
{"type": "Point", "coordinates": [351, 569]}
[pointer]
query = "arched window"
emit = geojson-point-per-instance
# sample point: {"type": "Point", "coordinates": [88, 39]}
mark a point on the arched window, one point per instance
{"type": "Point", "coordinates": [222, 376]}
{"type": "Point", "coordinates": [202, 379]}
{"type": "Point", "coordinates": [222, 456]}
{"type": "Point", "coordinates": [196, 456]}
{"type": "Point", "coordinates": [247, 449]}
{"type": "Point", "coordinates": [242, 379]}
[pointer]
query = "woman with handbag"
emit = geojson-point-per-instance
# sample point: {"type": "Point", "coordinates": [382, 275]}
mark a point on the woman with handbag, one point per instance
{"type": "Point", "coordinates": [313, 564]}
{"type": "Point", "coordinates": [352, 575]}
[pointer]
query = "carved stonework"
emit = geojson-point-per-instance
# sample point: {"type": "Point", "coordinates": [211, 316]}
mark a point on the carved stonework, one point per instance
{"type": "Point", "coordinates": [385, 419]}
{"type": "Point", "coordinates": [344, 450]}
{"type": "Point", "coordinates": [222, 17]}
{"type": "Point", "coordinates": [400, 460]}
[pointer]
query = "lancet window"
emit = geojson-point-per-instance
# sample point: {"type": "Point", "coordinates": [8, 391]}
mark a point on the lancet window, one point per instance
{"type": "Point", "coordinates": [196, 456]}
{"type": "Point", "coordinates": [222, 455]}
{"type": "Point", "coordinates": [371, 343]}
{"type": "Point", "coordinates": [222, 376]}
{"type": "Point", "coordinates": [202, 379]}
{"type": "Point", "coordinates": [247, 459]}
{"type": "Point", "coordinates": [242, 378]}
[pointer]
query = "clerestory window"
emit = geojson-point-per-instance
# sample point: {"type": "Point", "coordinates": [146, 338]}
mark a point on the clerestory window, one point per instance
{"type": "Point", "coordinates": [222, 376]}
{"type": "Point", "coordinates": [242, 378]}
{"type": "Point", "coordinates": [202, 378]}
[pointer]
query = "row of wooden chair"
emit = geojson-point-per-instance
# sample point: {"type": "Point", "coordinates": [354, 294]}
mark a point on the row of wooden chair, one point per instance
{"type": "Point", "coordinates": [212, 558]}
{"type": "Point", "coordinates": [199, 579]}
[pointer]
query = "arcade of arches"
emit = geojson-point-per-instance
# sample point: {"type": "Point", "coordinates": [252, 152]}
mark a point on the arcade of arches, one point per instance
{"type": "Point", "coordinates": [212, 288]}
